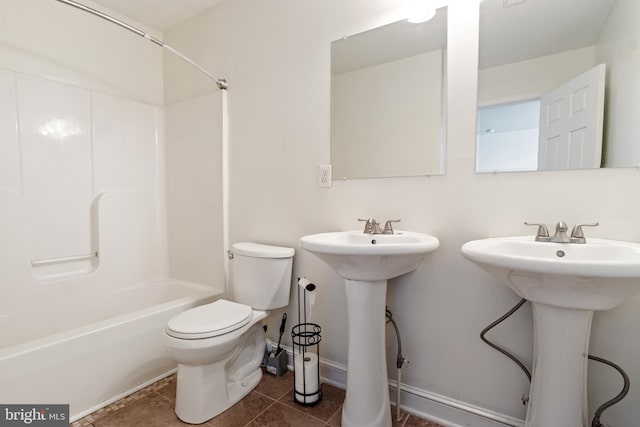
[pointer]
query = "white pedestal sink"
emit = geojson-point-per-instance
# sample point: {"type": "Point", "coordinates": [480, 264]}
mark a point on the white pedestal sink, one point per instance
{"type": "Point", "coordinates": [366, 261]}
{"type": "Point", "coordinates": [565, 282]}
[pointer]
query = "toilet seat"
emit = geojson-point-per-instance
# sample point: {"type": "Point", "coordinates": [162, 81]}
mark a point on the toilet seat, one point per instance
{"type": "Point", "coordinates": [209, 320]}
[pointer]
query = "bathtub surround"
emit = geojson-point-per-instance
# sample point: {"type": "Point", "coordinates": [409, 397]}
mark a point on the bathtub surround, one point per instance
{"type": "Point", "coordinates": [87, 178]}
{"type": "Point", "coordinates": [221, 84]}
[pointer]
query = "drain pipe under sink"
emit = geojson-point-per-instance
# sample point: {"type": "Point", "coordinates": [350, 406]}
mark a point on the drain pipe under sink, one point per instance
{"type": "Point", "coordinates": [400, 360]}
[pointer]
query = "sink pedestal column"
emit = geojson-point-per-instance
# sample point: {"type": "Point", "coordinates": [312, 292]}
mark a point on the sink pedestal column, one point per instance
{"type": "Point", "coordinates": [367, 399]}
{"type": "Point", "coordinates": [558, 394]}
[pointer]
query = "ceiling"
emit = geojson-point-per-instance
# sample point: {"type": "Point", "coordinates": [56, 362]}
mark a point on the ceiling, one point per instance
{"type": "Point", "coordinates": [517, 30]}
{"type": "Point", "coordinates": [159, 14]}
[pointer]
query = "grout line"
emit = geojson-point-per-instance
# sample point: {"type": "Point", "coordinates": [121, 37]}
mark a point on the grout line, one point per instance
{"type": "Point", "coordinates": [295, 408]}
{"type": "Point", "coordinates": [288, 392]}
{"type": "Point", "coordinates": [165, 397]}
{"type": "Point", "coordinates": [274, 398]}
{"type": "Point", "coordinates": [334, 414]}
{"type": "Point", "coordinates": [261, 412]}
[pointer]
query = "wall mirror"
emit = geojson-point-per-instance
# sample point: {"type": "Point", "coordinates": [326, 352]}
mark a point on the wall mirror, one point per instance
{"type": "Point", "coordinates": [559, 85]}
{"type": "Point", "coordinates": [388, 100]}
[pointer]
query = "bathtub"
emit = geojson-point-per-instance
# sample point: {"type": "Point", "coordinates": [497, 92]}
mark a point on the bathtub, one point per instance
{"type": "Point", "coordinates": [97, 352]}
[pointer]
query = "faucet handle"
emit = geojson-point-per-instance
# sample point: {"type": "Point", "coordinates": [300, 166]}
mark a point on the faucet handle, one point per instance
{"type": "Point", "coordinates": [543, 232]}
{"type": "Point", "coordinates": [577, 236]}
{"type": "Point", "coordinates": [388, 228]}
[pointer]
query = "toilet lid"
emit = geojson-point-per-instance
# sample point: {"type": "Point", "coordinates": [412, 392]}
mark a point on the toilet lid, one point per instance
{"type": "Point", "coordinates": [209, 320]}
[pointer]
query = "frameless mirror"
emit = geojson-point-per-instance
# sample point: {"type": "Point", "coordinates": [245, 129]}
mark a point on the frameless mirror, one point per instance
{"type": "Point", "coordinates": [559, 85]}
{"type": "Point", "coordinates": [388, 100]}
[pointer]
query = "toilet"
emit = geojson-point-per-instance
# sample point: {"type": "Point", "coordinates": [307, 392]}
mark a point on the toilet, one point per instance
{"type": "Point", "coordinates": [219, 346]}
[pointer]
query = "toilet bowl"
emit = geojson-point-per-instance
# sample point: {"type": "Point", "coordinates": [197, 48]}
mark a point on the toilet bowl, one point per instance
{"type": "Point", "coordinates": [219, 346]}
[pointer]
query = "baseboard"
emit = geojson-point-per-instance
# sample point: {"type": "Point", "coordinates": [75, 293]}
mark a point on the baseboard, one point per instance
{"type": "Point", "coordinates": [422, 403]}
{"type": "Point", "coordinates": [447, 411]}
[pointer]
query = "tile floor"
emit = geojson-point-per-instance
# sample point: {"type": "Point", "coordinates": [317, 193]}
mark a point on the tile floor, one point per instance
{"type": "Point", "coordinates": [269, 405]}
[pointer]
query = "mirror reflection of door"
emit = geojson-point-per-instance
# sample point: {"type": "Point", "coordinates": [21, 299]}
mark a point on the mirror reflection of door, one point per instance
{"type": "Point", "coordinates": [527, 48]}
{"type": "Point", "coordinates": [571, 123]}
{"type": "Point", "coordinates": [560, 130]}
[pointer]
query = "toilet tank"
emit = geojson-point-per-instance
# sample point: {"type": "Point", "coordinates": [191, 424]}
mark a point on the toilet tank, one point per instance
{"type": "Point", "coordinates": [261, 275]}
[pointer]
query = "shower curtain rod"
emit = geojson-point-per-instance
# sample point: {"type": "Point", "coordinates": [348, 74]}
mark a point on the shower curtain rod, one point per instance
{"type": "Point", "coordinates": [221, 83]}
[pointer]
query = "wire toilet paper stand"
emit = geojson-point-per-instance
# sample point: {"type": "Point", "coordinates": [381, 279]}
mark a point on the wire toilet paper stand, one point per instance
{"type": "Point", "coordinates": [306, 339]}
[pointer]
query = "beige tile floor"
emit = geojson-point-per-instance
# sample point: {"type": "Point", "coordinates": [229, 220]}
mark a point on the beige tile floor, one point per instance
{"type": "Point", "coordinates": [269, 405]}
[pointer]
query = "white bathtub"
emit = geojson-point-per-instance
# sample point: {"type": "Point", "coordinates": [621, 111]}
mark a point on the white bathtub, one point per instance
{"type": "Point", "coordinates": [91, 354]}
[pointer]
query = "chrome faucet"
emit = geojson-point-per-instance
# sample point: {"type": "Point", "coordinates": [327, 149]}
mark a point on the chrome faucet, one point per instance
{"type": "Point", "coordinates": [371, 226]}
{"type": "Point", "coordinates": [560, 236]}
{"type": "Point", "coordinates": [561, 233]}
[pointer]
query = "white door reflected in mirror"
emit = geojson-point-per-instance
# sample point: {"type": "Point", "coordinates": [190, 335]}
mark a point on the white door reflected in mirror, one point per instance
{"type": "Point", "coordinates": [519, 62]}
{"type": "Point", "coordinates": [560, 130]}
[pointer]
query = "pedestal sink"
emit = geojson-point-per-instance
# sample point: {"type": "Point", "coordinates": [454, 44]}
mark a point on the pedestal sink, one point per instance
{"type": "Point", "coordinates": [366, 262]}
{"type": "Point", "coordinates": [565, 282]}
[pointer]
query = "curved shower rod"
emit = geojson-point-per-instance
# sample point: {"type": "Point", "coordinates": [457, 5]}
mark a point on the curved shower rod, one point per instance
{"type": "Point", "coordinates": [221, 83]}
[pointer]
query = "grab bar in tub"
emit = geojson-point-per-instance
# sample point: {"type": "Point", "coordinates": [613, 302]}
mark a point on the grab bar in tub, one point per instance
{"type": "Point", "coordinates": [47, 261]}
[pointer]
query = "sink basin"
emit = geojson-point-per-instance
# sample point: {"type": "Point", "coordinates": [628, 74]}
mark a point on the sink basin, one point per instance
{"type": "Point", "coordinates": [366, 261]}
{"type": "Point", "coordinates": [370, 257]}
{"type": "Point", "coordinates": [597, 275]}
{"type": "Point", "coordinates": [565, 282]}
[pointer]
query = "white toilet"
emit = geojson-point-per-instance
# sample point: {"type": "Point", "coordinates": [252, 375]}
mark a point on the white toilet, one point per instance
{"type": "Point", "coordinates": [219, 346]}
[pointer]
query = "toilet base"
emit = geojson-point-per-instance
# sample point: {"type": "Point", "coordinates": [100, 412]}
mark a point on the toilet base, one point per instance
{"type": "Point", "coordinates": [206, 390]}
{"type": "Point", "coordinates": [196, 405]}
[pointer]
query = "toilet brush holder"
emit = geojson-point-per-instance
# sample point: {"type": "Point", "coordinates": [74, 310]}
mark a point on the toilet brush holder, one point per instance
{"type": "Point", "coordinates": [277, 362]}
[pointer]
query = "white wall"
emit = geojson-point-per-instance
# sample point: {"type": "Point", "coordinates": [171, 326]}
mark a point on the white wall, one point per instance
{"type": "Point", "coordinates": [194, 189]}
{"type": "Point", "coordinates": [276, 57]}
